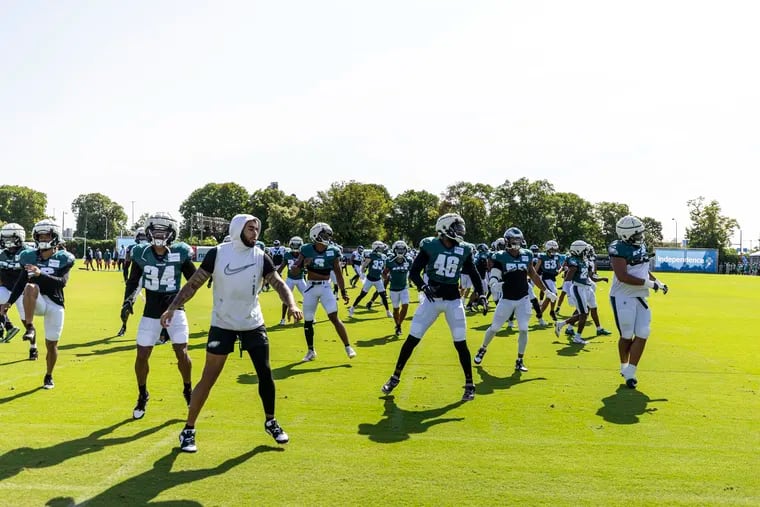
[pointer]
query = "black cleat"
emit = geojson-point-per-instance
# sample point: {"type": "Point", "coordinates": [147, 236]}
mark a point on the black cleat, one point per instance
{"type": "Point", "coordinates": [122, 331]}
{"type": "Point", "coordinates": [140, 408]}
{"type": "Point", "coordinates": [187, 441]}
{"type": "Point", "coordinates": [30, 334]}
{"type": "Point", "coordinates": [390, 385]}
{"type": "Point", "coordinates": [33, 354]}
{"type": "Point", "coordinates": [273, 428]}
{"type": "Point", "coordinates": [631, 383]}
{"type": "Point", "coordinates": [47, 383]}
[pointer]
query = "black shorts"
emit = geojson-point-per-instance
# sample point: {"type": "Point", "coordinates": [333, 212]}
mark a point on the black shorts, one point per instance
{"type": "Point", "coordinates": [222, 341]}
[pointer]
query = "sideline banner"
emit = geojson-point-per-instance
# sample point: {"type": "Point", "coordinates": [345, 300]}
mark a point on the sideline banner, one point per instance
{"type": "Point", "coordinates": [694, 260]}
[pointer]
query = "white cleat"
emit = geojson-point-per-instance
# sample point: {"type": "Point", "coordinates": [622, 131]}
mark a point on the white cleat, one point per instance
{"type": "Point", "coordinates": [282, 322]}
{"type": "Point", "coordinates": [351, 311]}
{"type": "Point", "coordinates": [577, 339]}
{"type": "Point", "coordinates": [542, 323]}
{"type": "Point", "coordinates": [350, 352]}
{"type": "Point", "coordinates": [389, 314]}
{"type": "Point", "coordinates": [558, 327]}
{"type": "Point", "coordinates": [311, 355]}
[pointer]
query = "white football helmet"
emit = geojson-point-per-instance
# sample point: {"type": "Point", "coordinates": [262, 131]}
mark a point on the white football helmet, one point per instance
{"type": "Point", "coordinates": [295, 243]}
{"type": "Point", "coordinates": [12, 235]}
{"type": "Point", "coordinates": [400, 248]}
{"type": "Point", "coordinates": [579, 248]}
{"type": "Point", "coordinates": [321, 233]}
{"type": "Point", "coordinates": [140, 236]}
{"type": "Point", "coordinates": [514, 238]}
{"type": "Point", "coordinates": [452, 226]}
{"type": "Point", "coordinates": [161, 229]}
{"type": "Point", "coordinates": [378, 246]}
{"type": "Point", "coordinates": [630, 229]}
{"type": "Point", "coordinates": [551, 246]}
{"type": "Point", "coordinates": [46, 226]}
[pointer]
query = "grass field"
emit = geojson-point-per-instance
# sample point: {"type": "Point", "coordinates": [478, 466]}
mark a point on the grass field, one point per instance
{"type": "Point", "coordinates": [565, 433]}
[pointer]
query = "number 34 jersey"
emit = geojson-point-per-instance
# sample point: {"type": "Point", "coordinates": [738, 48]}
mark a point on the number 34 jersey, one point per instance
{"type": "Point", "coordinates": [161, 275]}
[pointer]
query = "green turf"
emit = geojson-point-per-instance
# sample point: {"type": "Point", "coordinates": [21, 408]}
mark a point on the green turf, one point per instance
{"type": "Point", "coordinates": [564, 433]}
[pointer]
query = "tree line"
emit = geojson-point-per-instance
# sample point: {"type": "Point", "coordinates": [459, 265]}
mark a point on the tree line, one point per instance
{"type": "Point", "coordinates": [360, 213]}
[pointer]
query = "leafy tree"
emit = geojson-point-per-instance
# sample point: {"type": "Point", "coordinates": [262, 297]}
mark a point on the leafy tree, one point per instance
{"type": "Point", "coordinates": [141, 221]}
{"type": "Point", "coordinates": [573, 219]}
{"type": "Point", "coordinates": [22, 205]}
{"type": "Point", "coordinates": [653, 231]}
{"type": "Point", "coordinates": [525, 205]}
{"type": "Point", "coordinates": [261, 202]}
{"type": "Point", "coordinates": [357, 212]}
{"type": "Point", "coordinates": [98, 217]}
{"type": "Point", "coordinates": [472, 202]}
{"type": "Point", "coordinates": [215, 200]}
{"type": "Point", "coordinates": [412, 216]}
{"type": "Point", "coordinates": [607, 215]}
{"type": "Point", "coordinates": [709, 228]}
{"type": "Point", "coordinates": [286, 221]}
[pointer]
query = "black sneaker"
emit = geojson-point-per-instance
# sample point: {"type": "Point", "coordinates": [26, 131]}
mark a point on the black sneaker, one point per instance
{"type": "Point", "coordinates": [520, 365]}
{"type": "Point", "coordinates": [479, 355]}
{"type": "Point", "coordinates": [139, 410]}
{"type": "Point", "coordinates": [33, 354]}
{"type": "Point", "coordinates": [274, 429]}
{"type": "Point", "coordinates": [390, 385]}
{"type": "Point", "coordinates": [47, 383]}
{"type": "Point", "coordinates": [631, 383]}
{"type": "Point", "coordinates": [398, 330]}
{"type": "Point", "coordinates": [30, 334]}
{"type": "Point", "coordinates": [469, 392]}
{"type": "Point", "coordinates": [122, 330]}
{"type": "Point", "coordinates": [187, 441]}
{"type": "Point", "coordinates": [187, 393]}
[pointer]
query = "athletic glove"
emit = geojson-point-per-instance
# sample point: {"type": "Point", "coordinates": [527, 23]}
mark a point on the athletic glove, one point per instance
{"type": "Point", "coordinates": [661, 286]}
{"type": "Point", "coordinates": [126, 310]}
{"type": "Point", "coordinates": [429, 292]}
{"type": "Point", "coordinates": [483, 302]}
{"type": "Point", "coordinates": [496, 289]}
{"type": "Point", "coordinates": [550, 296]}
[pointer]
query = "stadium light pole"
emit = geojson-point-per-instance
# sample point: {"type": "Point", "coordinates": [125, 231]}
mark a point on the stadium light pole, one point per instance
{"type": "Point", "coordinates": [676, 221]}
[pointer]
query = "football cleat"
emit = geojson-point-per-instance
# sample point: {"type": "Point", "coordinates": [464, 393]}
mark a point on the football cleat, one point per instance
{"type": "Point", "coordinates": [30, 333]}
{"type": "Point", "coordinates": [122, 330]}
{"type": "Point", "coordinates": [350, 352]}
{"type": "Point", "coordinates": [388, 314]}
{"type": "Point", "coordinates": [397, 332]}
{"type": "Point", "coordinates": [139, 411]}
{"type": "Point", "coordinates": [47, 382]}
{"type": "Point", "coordinates": [390, 385]}
{"type": "Point", "coordinates": [311, 355]}
{"type": "Point", "coordinates": [631, 383]}
{"type": "Point", "coordinates": [603, 332]}
{"type": "Point", "coordinates": [282, 322]}
{"type": "Point", "coordinates": [10, 333]}
{"type": "Point", "coordinates": [187, 441]}
{"type": "Point", "coordinates": [351, 311]}
{"type": "Point", "coordinates": [479, 355]}
{"type": "Point", "coordinates": [542, 323]}
{"type": "Point", "coordinates": [520, 365]}
{"type": "Point", "coordinates": [274, 429]}
{"type": "Point", "coordinates": [577, 339]}
{"type": "Point", "coordinates": [369, 306]}
{"type": "Point", "coordinates": [33, 354]}
{"type": "Point", "coordinates": [469, 392]}
{"type": "Point", "coordinates": [558, 327]}
{"type": "Point", "coordinates": [569, 331]}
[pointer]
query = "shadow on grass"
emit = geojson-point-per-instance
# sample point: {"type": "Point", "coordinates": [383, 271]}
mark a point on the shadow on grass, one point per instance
{"type": "Point", "coordinates": [380, 340]}
{"type": "Point", "coordinates": [16, 460]}
{"type": "Point", "coordinates": [570, 349]}
{"type": "Point", "coordinates": [132, 345]}
{"type": "Point", "coordinates": [287, 371]}
{"type": "Point", "coordinates": [16, 361]}
{"type": "Point", "coordinates": [19, 395]}
{"type": "Point", "coordinates": [490, 383]}
{"type": "Point", "coordinates": [626, 405]}
{"type": "Point", "coordinates": [399, 424]}
{"type": "Point", "coordinates": [142, 488]}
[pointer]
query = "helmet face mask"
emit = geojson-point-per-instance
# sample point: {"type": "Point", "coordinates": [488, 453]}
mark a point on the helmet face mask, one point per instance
{"type": "Point", "coordinates": [140, 236]}
{"type": "Point", "coordinates": [451, 226]}
{"type": "Point", "coordinates": [513, 238]}
{"type": "Point", "coordinates": [295, 243]}
{"type": "Point", "coordinates": [378, 246]}
{"type": "Point", "coordinates": [579, 248]}
{"type": "Point", "coordinates": [12, 236]}
{"type": "Point", "coordinates": [630, 230]}
{"type": "Point", "coordinates": [321, 234]}
{"type": "Point", "coordinates": [161, 229]}
{"type": "Point", "coordinates": [400, 249]}
{"type": "Point", "coordinates": [46, 234]}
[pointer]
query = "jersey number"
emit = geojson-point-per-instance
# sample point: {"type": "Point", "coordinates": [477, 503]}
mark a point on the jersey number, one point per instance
{"type": "Point", "coordinates": [446, 266]}
{"type": "Point", "coordinates": [154, 283]}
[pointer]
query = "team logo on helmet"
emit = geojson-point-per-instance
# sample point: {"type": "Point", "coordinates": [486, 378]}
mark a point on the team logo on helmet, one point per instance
{"type": "Point", "coordinates": [321, 233]}
{"type": "Point", "coordinates": [452, 226]}
{"type": "Point", "coordinates": [161, 229]}
{"type": "Point", "coordinates": [46, 227]}
{"type": "Point", "coordinates": [630, 229]}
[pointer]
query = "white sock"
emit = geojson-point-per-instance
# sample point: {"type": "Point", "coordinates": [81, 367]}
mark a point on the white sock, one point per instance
{"type": "Point", "coordinates": [623, 366]}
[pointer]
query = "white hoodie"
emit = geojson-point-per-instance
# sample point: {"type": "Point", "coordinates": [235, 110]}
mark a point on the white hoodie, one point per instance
{"type": "Point", "coordinates": [238, 279]}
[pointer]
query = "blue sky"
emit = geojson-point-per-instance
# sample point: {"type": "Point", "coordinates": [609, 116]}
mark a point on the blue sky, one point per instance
{"type": "Point", "coordinates": [650, 103]}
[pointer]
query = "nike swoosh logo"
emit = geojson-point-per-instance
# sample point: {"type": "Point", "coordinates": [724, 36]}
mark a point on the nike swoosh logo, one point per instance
{"type": "Point", "coordinates": [232, 271]}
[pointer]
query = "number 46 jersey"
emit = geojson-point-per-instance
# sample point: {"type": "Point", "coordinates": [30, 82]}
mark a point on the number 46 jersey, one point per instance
{"type": "Point", "coordinates": [161, 275]}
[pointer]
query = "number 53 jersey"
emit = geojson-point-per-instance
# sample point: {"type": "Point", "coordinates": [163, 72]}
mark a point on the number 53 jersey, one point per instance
{"type": "Point", "coordinates": [161, 275]}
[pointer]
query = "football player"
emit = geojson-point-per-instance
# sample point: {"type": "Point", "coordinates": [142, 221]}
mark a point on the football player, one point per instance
{"type": "Point", "coordinates": [549, 264]}
{"type": "Point", "coordinates": [47, 272]}
{"type": "Point", "coordinates": [396, 274]}
{"type": "Point", "coordinates": [630, 288]}
{"type": "Point", "coordinates": [577, 275]}
{"type": "Point", "coordinates": [444, 258]}
{"type": "Point", "coordinates": [357, 258]}
{"type": "Point", "coordinates": [375, 265]}
{"type": "Point", "coordinates": [239, 268]}
{"type": "Point", "coordinates": [12, 237]}
{"type": "Point", "coordinates": [508, 278]}
{"type": "Point", "coordinates": [320, 258]}
{"type": "Point", "coordinates": [159, 265]}
{"type": "Point", "coordinates": [594, 277]}
{"type": "Point", "coordinates": [126, 309]}
{"type": "Point", "coordinates": [295, 278]}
